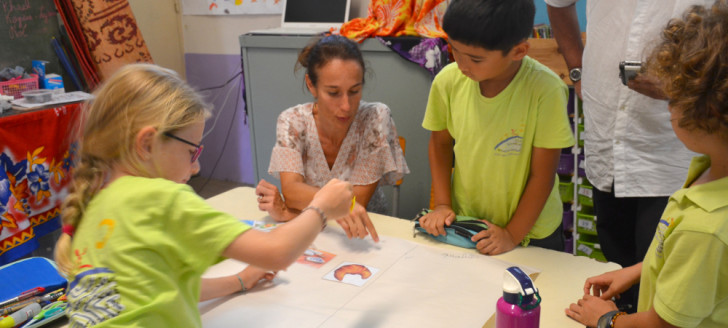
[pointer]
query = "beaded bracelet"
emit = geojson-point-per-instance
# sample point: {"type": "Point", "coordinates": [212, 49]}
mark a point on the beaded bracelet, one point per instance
{"type": "Point", "coordinates": [614, 319]}
{"type": "Point", "coordinates": [243, 290]}
{"type": "Point", "coordinates": [321, 214]}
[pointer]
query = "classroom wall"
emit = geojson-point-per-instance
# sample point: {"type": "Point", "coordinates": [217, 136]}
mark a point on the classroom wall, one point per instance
{"type": "Point", "coordinates": [160, 23]}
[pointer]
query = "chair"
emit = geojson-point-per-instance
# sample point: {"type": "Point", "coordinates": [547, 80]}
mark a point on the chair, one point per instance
{"type": "Point", "coordinates": [395, 187]}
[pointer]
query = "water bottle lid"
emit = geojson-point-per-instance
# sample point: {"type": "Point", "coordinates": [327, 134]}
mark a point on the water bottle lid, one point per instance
{"type": "Point", "coordinates": [518, 289]}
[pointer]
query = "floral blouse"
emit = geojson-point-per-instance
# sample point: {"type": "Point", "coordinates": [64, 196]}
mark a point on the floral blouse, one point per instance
{"type": "Point", "coordinates": [369, 153]}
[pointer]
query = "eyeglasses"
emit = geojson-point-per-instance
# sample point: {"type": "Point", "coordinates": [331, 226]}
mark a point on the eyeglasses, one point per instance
{"type": "Point", "coordinates": [198, 151]}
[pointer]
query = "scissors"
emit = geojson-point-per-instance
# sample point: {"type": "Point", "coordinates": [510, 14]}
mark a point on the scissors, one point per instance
{"type": "Point", "coordinates": [48, 313]}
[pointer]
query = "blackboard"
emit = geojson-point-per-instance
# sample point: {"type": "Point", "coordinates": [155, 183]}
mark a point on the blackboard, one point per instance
{"type": "Point", "coordinates": [26, 29]}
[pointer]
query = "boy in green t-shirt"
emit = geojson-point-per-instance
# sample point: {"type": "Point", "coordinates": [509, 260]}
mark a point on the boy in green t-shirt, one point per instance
{"type": "Point", "coordinates": [683, 278]}
{"type": "Point", "coordinates": [500, 116]}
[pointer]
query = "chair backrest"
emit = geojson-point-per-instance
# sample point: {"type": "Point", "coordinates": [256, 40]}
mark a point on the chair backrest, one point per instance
{"type": "Point", "coordinates": [403, 144]}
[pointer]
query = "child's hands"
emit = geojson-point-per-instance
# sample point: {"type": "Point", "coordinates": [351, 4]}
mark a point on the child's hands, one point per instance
{"type": "Point", "coordinates": [253, 275]}
{"type": "Point", "coordinates": [610, 284]}
{"type": "Point", "coordinates": [334, 198]}
{"type": "Point", "coordinates": [435, 221]}
{"type": "Point", "coordinates": [588, 309]}
{"type": "Point", "coordinates": [270, 200]}
{"type": "Point", "coordinates": [494, 240]}
{"type": "Point", "coordinates": [357, 224]}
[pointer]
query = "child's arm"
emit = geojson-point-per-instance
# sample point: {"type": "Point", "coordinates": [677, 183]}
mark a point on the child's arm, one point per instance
{"type": "Point", "coordinates": [441, 157]}
{"type": "Point", "coordinates": [613, 283]}
{"type": "Point", "coordinates": [590, 308]}
{"type": "Point", "coordinates": [223, 286]}
{"type": "Point", "coordinates": [496, 240]}
{"type": "Point", "coordinates": [277, 249]}
{"type": "Point", "coordinates": [298, 194]}
{"type": "Point", "coordinates": [540, 182]}
{"type": "Point", "coordinates": [356, 224]}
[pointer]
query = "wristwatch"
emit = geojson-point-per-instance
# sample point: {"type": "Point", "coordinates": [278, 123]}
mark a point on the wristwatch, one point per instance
{"type": "Point", "coordinates": [575, 74]}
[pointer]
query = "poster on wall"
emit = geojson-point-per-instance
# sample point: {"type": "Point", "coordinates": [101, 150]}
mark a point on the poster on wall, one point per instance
{"type": "Point", "coordinates": [232, 7]}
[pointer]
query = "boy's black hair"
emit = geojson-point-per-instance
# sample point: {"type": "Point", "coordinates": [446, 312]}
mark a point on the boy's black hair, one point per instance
{"type": "Point", "coordinates": [490, 24]}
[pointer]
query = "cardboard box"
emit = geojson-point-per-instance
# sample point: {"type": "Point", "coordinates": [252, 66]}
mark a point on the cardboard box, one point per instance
{"type": "Point", "coordinates": [52, 81]}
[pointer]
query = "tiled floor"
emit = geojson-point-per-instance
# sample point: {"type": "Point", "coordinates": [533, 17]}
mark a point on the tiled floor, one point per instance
{"type": "Point", "coordinates": [207, 188]}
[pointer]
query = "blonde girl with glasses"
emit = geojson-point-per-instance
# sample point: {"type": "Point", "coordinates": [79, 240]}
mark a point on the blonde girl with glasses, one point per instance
{"type": "Point", "coordinates": [141, 238]}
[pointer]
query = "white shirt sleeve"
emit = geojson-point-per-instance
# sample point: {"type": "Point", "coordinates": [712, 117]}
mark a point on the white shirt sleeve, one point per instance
{"type": "Point", "coordinates": [560, 3]}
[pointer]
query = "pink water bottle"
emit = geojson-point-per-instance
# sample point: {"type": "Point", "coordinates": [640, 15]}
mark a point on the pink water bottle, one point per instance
{"type": "Point", "coordinates": [519, 306]}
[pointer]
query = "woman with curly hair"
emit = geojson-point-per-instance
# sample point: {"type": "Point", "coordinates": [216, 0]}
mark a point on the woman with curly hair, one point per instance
{"type": "Point", "coordinates": [683, 276]}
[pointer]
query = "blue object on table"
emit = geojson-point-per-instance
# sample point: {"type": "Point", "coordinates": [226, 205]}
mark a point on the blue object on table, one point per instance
{"type": "Point", "coordinates": [61, 53]}
{"type": "Point", "coordinates": [26, 274]}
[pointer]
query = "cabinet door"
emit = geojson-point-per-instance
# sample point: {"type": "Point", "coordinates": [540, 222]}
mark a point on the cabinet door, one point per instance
{"type": "Point", "coordinates": [272, 86]}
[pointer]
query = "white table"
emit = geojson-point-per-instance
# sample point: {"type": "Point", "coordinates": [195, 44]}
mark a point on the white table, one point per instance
{"type": "Point", "coordinates": [560, 279]}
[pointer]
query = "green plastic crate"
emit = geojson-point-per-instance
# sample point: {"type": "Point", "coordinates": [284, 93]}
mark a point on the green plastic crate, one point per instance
{"type": "Point", "coordinates": [566, 190]}
{"type": "Point", "coordinates": [591, 250]}
{"type": "Point", "coordinates": [586, 223]}
{"type": "Point", "coordinates": [586, 195]}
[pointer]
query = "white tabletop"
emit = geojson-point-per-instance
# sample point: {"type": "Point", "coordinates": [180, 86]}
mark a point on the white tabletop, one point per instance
{"type": "Point", "coordinates": [560, 279]}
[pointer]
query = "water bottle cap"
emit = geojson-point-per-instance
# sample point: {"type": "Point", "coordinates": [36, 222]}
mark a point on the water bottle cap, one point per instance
{"type": "Point", "coordinates": [518, 288]}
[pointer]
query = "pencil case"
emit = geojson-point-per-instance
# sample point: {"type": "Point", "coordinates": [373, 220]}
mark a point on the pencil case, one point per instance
{"type": "Point", "coordinates": [23, 275]}
{"type": "Point", "coordinates": [458, 233]}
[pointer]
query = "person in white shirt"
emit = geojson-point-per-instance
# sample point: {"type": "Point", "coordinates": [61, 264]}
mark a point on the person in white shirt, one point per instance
{"type": "Point", "coordinates": [633, 159]}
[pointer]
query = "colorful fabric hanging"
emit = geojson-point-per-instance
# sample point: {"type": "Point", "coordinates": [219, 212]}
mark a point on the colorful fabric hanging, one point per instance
{"type": "Point", "coordinates": [397, 18]}
{"type": "Point", "coordinates": [105, 31]}
{"type": "Point", "coordinates": [37, 152]}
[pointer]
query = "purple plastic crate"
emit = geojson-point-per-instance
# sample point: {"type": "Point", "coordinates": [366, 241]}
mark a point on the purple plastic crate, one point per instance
{"type": "Point", "coordinates": [566, 164]}
{"type": "Point", "coordinates": [568, 221]}
{"type": "Point", "coordinates": [581, 165]}
{"type": "Point", "coordinates": [570, 103]}
{"type": "Point", "coordinates": [569, 244]}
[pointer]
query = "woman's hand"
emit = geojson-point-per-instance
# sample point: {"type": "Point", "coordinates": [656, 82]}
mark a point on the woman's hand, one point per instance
{"type": "Point", "coordinates": [435, 221]}
{"type": "Point", "coordinates": [494, 240]}
{"type": "Point", "coordinates": [270, 200]}
{"type": "Point", "coordinates": [357, 224]}
{"type": "Point", "coordinates": [589, 309]}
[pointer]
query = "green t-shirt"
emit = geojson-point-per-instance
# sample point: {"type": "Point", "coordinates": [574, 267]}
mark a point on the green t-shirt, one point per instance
{"type": "Point", "coordinates": [140, 251]}
{"type": "Point", "coordinates": [494, 140]}
{"type": "Point", "coordinates": [685, 272]}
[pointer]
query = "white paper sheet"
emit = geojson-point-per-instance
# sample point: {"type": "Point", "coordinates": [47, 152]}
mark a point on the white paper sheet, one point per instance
{"type": "Point", "coordinates": [416, 286]}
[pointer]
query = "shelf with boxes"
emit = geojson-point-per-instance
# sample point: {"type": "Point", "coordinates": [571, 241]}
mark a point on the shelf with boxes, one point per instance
{"type": "Point", "coordinates": [579, 222]}
{"type": "Point", "coordinates": [577, 194]}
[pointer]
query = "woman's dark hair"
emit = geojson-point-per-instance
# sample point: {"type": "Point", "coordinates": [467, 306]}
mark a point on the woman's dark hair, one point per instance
{"type": "Point", "coordinates": [321, 51]}
{"type": "Point", "coordinates": [490, 24]}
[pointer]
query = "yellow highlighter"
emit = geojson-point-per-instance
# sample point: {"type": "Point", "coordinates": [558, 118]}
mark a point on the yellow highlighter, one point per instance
{"type": "Point", "coordinates": [353, 202]}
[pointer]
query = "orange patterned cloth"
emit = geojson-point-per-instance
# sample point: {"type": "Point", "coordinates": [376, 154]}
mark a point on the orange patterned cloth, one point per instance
{"type": "Point", "coordinates": [397, 18]}
{"type": "Point", "coordinates": [111, 34]}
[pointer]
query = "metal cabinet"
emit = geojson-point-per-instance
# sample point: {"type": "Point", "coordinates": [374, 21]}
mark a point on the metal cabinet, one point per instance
{"type": "Point", "coordinates": [271, 86]}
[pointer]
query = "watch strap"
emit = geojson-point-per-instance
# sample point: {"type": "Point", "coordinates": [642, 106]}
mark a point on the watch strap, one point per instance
{"type": "Point", "coordinates": [605, 321]}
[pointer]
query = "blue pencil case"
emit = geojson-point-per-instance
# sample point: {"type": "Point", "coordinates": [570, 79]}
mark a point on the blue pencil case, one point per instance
{"type": "Point", "coordinates": [458, 233]}
{"type": "Point", "coordinates": [26, 274]}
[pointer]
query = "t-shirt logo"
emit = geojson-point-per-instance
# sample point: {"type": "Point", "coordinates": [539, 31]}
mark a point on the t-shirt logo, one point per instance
{"type": "Point", "coordinates": [510, 144]}
{"type": "Point", "coordinates": [663, 229]}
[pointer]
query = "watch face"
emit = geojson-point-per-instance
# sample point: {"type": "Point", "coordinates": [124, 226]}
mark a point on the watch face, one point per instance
{"type": "Point", "coordinates": [575, 74]}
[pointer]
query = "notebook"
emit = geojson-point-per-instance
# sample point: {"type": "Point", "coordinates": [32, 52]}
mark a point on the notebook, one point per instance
{"type": "Point", "coordinates": [310, 17]}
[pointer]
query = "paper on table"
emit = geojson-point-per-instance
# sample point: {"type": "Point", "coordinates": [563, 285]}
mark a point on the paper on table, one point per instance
{"type": "Point", "coordinates": [61, 98]}
{"type": "Point", "coordinates": [417, 286]}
